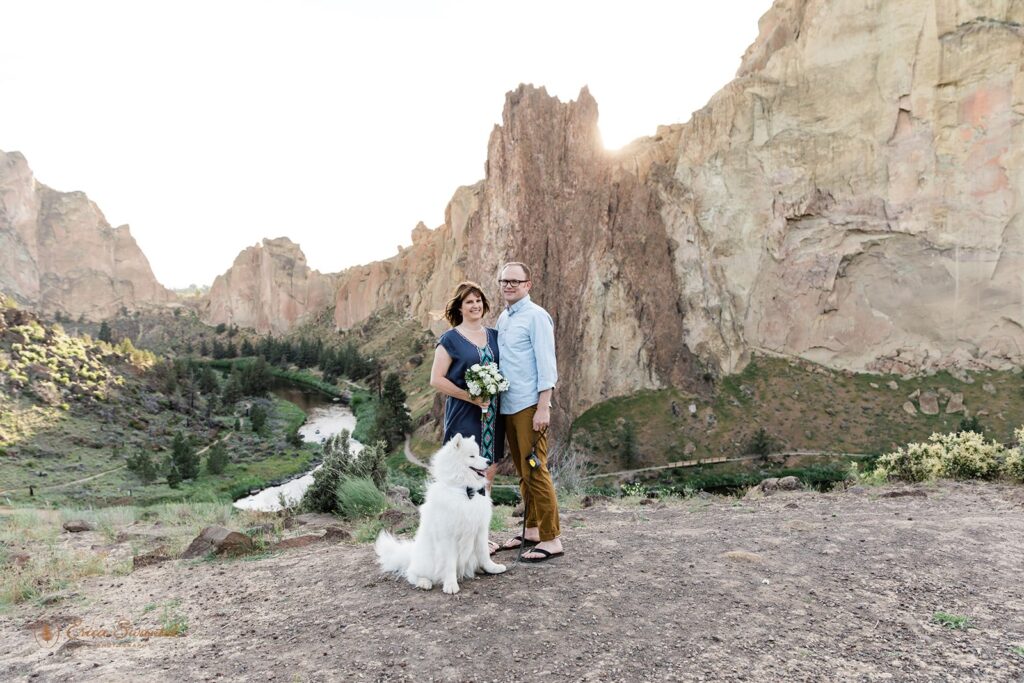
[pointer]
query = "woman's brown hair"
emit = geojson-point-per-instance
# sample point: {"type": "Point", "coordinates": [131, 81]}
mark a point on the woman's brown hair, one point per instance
{"type": "Point", "coordinates": [453, 310]}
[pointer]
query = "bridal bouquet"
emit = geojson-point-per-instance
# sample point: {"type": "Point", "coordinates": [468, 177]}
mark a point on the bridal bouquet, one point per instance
{"type": "Point", "coordinates": [486, 382]}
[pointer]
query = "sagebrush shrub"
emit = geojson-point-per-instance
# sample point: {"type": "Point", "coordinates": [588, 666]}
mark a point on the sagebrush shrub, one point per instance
{"type": "Point", "coordinates": [916, 462]}
{"type": "Point", "coordinates": [966, 455]}
{"type": "Point", "coordinates": [961, 455]}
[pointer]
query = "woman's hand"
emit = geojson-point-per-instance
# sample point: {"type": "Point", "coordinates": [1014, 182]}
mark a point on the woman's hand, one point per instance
{"type": "Point", "coordinates": [480, 401]}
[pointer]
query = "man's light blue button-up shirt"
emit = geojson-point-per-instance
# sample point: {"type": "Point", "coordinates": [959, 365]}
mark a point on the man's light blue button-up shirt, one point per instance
{"type": "Point", "coordinates": [526, 345]}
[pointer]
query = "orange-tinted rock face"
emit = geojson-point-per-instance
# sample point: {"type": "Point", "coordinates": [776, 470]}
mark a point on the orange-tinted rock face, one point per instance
{"type": "Point", "coordinates": [855, 197]}
{"type": "Point", "coordinates": [58, 253]}
{"type": "Point", "coordinates": [269, 288]}
{"type": "Point", "coordinates": [587, 225]}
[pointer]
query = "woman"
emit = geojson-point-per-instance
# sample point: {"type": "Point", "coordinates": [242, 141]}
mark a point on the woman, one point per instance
{"type": "Point", "coordinates": [468, 343]}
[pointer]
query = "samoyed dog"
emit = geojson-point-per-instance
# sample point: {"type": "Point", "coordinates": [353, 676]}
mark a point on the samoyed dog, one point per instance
{"type": "Point", "coordinates": [451, 542]}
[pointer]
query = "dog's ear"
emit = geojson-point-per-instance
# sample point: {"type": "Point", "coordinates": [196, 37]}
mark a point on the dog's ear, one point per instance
{"type": "Point", "coordinates": [457, 440]}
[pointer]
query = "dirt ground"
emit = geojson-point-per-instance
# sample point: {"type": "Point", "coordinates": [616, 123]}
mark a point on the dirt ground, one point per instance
{"type": "Point", "coordinates": [798, 586]}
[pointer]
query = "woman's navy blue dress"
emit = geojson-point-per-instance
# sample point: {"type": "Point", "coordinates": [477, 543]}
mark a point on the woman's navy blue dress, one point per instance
{"type": "Point", "coordinates": [463, 417]}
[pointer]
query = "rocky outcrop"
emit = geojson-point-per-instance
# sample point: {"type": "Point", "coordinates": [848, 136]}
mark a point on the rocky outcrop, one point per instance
{"type": "Point", "coordinates": [588, 222]}
{"type": "Point", "coordinates": [58, 253]}
{"type": "Point", "coordinates": [268, 288]}
{"type": "Point", "coordinates": [858, 188]}
{"type": "Point", "coordinates": [853, 197]}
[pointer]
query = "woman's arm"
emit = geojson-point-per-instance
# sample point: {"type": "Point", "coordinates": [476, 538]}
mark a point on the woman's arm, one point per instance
{"type": "Point", "coordinates": [442, 362]}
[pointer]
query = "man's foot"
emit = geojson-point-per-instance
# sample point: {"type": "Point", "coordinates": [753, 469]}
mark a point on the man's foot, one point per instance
{"type": "Point", "coordinates": [544, 550]}
{"type": "Point", "coordinates": [492, 547]}
{"type": "Point", "coordinates": [516, 541]}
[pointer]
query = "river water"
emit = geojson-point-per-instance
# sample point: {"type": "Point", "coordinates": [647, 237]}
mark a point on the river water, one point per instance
{"type": "Point", "coordinates": [324, 417]}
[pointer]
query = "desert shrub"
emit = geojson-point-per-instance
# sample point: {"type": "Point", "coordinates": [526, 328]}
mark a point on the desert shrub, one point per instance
{"type": "Point", "coordinates": [916, 462]}
{"type": "Point", "coordinates": [1013, 464]}
{"type": "Point", "coordinates": [966, 455]}
{"type": "Point", "coordinates": [337, 459]}
{"type": "Point", "coordinates": [359, 497]}
{"type": "Point", "coordinates": [371, 463]}
{"type": "Point", "coordinates": [634, 489]}
{"type": "Point", "coordinates": [568, 469]}
{"type": "Point", "coordinates": [960, 455]}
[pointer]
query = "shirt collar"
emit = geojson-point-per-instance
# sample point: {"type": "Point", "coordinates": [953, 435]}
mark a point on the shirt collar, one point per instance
{"type": "Point", "coordinates": [517, 306]}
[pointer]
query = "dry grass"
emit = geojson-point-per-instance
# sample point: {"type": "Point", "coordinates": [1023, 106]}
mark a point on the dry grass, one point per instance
{"type": "Point", "coordinates": [49, 570]}
{"type": "Point", "coordinates": [53, 564]}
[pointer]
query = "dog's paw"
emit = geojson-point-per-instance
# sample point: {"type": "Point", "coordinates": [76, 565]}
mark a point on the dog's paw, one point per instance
{"type": "Point", "coordinates": [425, 584]}
{"type": "Point", "coordinates": [451, 587]}
{"type": "Point", "coordinates": [495, 568]}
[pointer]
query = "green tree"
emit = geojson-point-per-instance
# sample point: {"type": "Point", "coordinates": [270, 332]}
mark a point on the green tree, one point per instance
{"type": "Point", "coordinates": [141, 464]}
{"type": "Point", "coordinates": [256, 378]}
{"type": "Point", "coordinates": [628, 447]}
{"type": "Point", "coordinates": [233, 387]}
{"type": "Point", "coordinates": [258, 418]}
{"type": "Point", "coordinates": [321, 496]}
{"type": "Point", "coordinates": [392, 421]}
{"type": "Point", "coordinates": [971, 424]}
{"type": "Point", "coordinates": [104, 333]}
{"type": "Point", "coordinates": [216, 459]}
{"type": "Point", "coordinates": [208, 383]}
{"type": "Point", "coordinates": [184, 461]}
{"type": "Point", "coordinates": [761, 444]}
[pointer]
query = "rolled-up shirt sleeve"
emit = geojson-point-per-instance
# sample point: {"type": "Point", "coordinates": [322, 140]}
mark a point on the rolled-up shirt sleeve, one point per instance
{"type": "Point", "coordinates": [542, 335]}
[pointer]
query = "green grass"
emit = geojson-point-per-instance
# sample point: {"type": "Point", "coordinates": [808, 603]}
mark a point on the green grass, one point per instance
{"type": "Point", "coordinates": [358, 497]}
{"type": "Point", "coordinates": [364, 407]}
{"type": "Point", "coordinates": [1017, 650]}
{"type": "Point", "coordinates": [368, 529]}
{"type": "Point", "coordinates": [952, 621]}
{"type": "Point", "coordinates": [799, 405]}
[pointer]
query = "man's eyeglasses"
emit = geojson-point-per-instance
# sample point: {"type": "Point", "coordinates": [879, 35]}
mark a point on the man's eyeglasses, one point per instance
{"type": "Point", "coordinates": [511, 283]}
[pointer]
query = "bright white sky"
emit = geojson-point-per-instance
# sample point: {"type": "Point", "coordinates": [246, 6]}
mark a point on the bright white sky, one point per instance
{"type": "Point", "coordinates": [210, 125]}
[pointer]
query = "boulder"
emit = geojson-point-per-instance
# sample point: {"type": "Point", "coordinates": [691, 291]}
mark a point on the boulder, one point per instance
{"type": "Point", "coordinates": [905, 493]}
{"type": "Point", "coordinates": [790, 484]}
{"type": "Point", "coordinates": [909, 408]}
{"type": "Point", "coordinates": [929, 403]}
{"type": "Point", "coordinates": [955, 404]}
{"type": "Point", "coordinates": [77, 526]}
{"type": "Point", "coordinates": [297, 542]}
{"type": "Point", "coordinates": [399, 495]}
{"type": "Point", "coordinates": [219, 541]}
{"type": "Point", "coordinates": [155, 556]}
{"type": "Point", "coordinates": [893, 385]}
{"type": "Point", "coordinates": [334, 534]}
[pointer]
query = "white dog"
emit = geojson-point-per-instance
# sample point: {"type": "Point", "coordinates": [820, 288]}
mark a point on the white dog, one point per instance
{"type": "Point", "coordinates": [451, 542]}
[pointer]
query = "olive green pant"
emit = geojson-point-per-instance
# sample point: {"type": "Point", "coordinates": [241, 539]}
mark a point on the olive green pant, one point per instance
{"type": "Point", "coordinates": [535, 484]}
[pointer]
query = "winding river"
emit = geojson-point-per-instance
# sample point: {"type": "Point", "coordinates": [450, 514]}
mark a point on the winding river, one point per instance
{"type": "Point", "coordinates": [324, 417]}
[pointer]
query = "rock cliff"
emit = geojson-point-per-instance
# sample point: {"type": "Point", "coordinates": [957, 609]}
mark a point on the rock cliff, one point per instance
{"type": "Point", "coordinates": [853, 197]}
{"type": "Point", "coordinates": [269, 288]}
{"type": "Point", "coordinates": [58, 253]}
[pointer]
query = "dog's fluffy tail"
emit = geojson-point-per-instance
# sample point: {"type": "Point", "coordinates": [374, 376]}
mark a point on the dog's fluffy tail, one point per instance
{"type": "Point", "coordinates": [393, 555]}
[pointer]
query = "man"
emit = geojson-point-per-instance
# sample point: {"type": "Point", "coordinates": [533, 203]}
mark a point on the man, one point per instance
{"type": "Point", "coordinates": [526, 344]}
